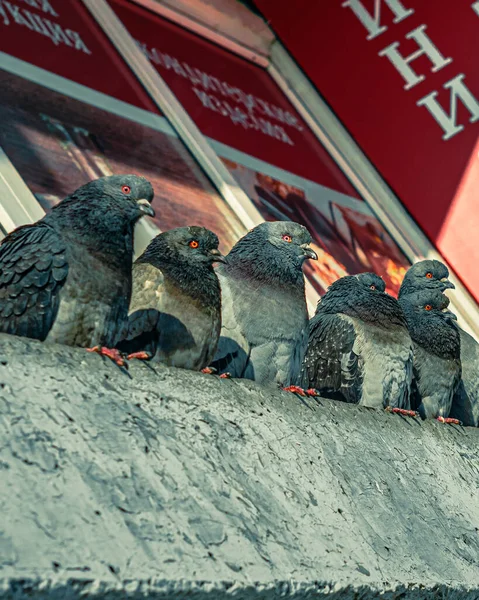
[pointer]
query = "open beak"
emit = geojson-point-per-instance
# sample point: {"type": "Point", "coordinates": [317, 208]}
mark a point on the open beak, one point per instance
{"type": "Point", "coordinates": [449, 314]}
{"type": "Point", "coordinates": [145, 207]}
{"type": "Point", "coordinates": [447, 285]}
{"type": "Point", "coordinates": [309, 252]}
{"type": "Point", "coordinates": [216, 256]}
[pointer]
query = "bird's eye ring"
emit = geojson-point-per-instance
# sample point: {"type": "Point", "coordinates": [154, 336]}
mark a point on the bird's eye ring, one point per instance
{"type": "Point", "coordinates": [193, 244]}
{"type": "Point", "coordinates": [429, 275]}
{"type": "Point", "coordinates": [126, 189]}
{"type": "Point", "coordinates": [287, 238]}
{"type": "Point", "coordinates": [372, 287]}
{"type": "Point", "coordinates": [428, 307]}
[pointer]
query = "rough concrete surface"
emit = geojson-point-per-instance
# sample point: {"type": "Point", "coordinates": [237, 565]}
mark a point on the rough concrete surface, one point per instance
{"type": "Point", "coordinates": [164, 483]}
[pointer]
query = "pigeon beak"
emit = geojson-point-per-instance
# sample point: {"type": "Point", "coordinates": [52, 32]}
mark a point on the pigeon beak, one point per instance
{"type": "Point", "coordinates": [447, 285]}
{"type": "Point", "coordinates": [309, 252]}
{"type": "Point", "coordinates": [216, 256]}
{"type": "Point", "coordinates": [449, 314]}
{"type": "Point", "coordinates": [145, 207]}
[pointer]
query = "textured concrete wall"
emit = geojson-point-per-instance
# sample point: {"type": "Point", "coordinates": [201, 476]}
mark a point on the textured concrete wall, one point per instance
{"type": "Point", "coordinates": [157, 481]}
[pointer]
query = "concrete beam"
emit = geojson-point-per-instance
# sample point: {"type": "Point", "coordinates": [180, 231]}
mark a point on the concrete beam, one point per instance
{"type": "Point", "coordinates": [176, 483]}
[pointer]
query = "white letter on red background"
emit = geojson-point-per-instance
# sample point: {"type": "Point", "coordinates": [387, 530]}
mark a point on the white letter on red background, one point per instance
{"type": "Point", "coordinates": [448, 121]}
{"type": "Point", "coordinates": [373, 23]}
{"type": "Point", "coordinates": [425, 47]}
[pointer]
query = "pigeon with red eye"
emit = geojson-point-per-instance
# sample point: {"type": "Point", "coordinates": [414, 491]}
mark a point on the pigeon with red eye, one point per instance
{"type": "Point", "coordinates": [67, 277]}
{"type": "Point", "coordinates": [437, 350]}
{"type": "Point", "coordinates": [426, 274]}
{"type": "Point", "coordinates": [432, 274]}
{"type": "Point", "coordinates": [359, 347]}
{"type": "Point", "coordinates": [175, 309]}
{"type": "Point", "coordinates": [265, 319]}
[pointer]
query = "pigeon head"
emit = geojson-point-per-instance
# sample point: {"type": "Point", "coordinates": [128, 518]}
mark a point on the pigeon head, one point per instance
{"type": "Point", "coordinates": [428, 304]}
{"type": "Point", "coordinates": [430, 321]}
{"type": "Point", "coordinates": [184, 245]}
{"type": "Point", "coordinates": [371, 281]}
{"type": "Point", "coordinates": [273, 251]}
{"type": "Point", "coordinates": [101, 215]}
{"type": "Point", "coordinates": [185, 256]}
{"type": "Point", "coordinates": [363, 297]}
{"type": "Point", "coordinates": [426, 274]}
{"type": "Point", "coordinates": [289, 239]}
{"type": "Point", "coordinates": [124, 198]}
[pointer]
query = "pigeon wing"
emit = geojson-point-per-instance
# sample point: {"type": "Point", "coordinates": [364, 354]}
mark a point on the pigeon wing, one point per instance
{"type": "Point", "coordinates": [330, 364]}
{"type": "Point", "coordinates": [33, 270]}
{"type": "Point", "coordinates": [465, 404]}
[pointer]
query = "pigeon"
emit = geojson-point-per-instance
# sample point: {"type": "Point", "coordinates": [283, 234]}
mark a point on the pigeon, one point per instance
{"type": "Point", "coordinates": [465, 404]}
{"type": "Point", "coordinates": [432, 274]}
{"type": "Point", "coordinates": [437, 350]}
{"type": "Point", "coordinates": [359, 348]}
{"type": "Point", "coordinates": [67, 277]}
{"type": "Point", "coordinates": [265, 319]}
{"type": "Point", "coordinates": [175, 309]}
{"type": "Point", "coordinates": [426, 274]}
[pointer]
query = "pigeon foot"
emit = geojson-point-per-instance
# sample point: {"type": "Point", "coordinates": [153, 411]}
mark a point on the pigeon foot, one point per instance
{"type": "Point", "coordinates": [139, 356]}
{"type": "Point", "coordinates": [213, 371]}
{"type": "Point", "coordinates": [295, 389]}
{"type": "Point", "coordinates": [448, 420]}
{"type": "Point", "coordinates": [209, 370]}
{"type": "Point", "coordinates": [403, 411]}
{"type": "Point", "coordinates": [111, 353]}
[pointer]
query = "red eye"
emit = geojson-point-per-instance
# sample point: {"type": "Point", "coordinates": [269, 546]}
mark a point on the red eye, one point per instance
{"type": "Point", "coordinates": [126, 189]}
{"type": "Point", "coordinates": [429, 275]}
{"type": "Point", "coordinates": [372, 287]}
{"type": "Point", "coordinates": [193, 244]}
{"type": "Point", "coordinates": [428, 307]}
{"type": "Point", "coordinates": [287, 238]}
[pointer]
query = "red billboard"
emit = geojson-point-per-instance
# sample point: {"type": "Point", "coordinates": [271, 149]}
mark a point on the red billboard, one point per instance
{"type": "Point", "coordinates": [61, 36]}
{"type": "Point", "coordinates": [402, 77]}
{"type": "Point", "coordinates": [230, 99]}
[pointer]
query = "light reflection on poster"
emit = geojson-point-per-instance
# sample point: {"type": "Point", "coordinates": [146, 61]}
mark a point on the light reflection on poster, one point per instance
{"type": "Point", "coordinates": [57, 144]}
{"type": "Point", "coordinates": [347, 240]}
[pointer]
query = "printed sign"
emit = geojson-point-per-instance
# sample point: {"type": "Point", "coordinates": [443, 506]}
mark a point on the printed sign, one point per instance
{"type": "Point", "coordinates": [61, 36]}
{"type": "Point", "coordinates": [402, 76]}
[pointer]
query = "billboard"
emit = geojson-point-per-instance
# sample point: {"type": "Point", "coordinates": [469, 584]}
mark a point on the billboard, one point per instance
{"type": "Point", "coordinates": [402, 77]}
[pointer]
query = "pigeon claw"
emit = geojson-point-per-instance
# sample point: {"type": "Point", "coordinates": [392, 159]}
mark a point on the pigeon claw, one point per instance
{"type": "Point", "coordinates": [403, 411]}
{"type": "Point", "coordinates": [295, 389]}
{"type": "Point", "coordinates": [139, 356]}
{"type": "Point", "coordinates": [448, 420]}
{"type": "Point", "coordinates": [111, 353]}
{"type": "Point", "coordinates": [225, 376]}
{"type": "Point", "coordinates": [209, 370]}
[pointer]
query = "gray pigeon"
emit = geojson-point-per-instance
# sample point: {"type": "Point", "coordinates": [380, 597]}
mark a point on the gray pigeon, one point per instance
{"type": "Point", "coordinates": [359, 347]}
{"type": "Point", "coordinates": [67, 277]}
{"type": "Point", "coordinates": [265, 318]}
{"type": "Point", "coordinates": [465, 404]}
{"type": "Point", "coordinates": [437, 349]}
{"type": "Point", "coordinates": [175, 310]}
{"type": "Point", "coordinates": [432, 274]}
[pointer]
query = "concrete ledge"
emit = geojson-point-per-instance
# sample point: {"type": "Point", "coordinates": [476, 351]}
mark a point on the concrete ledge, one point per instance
{"type": "Point", "coordinates": [152, 483]}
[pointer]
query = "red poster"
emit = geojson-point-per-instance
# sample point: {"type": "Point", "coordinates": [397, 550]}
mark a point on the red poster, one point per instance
{"type": "Point", "coordinates": [402, 76]}
{"type": "Point", "coordinates": [231, 100]}
{"type": "Point", "coordinates": [61, 36]}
